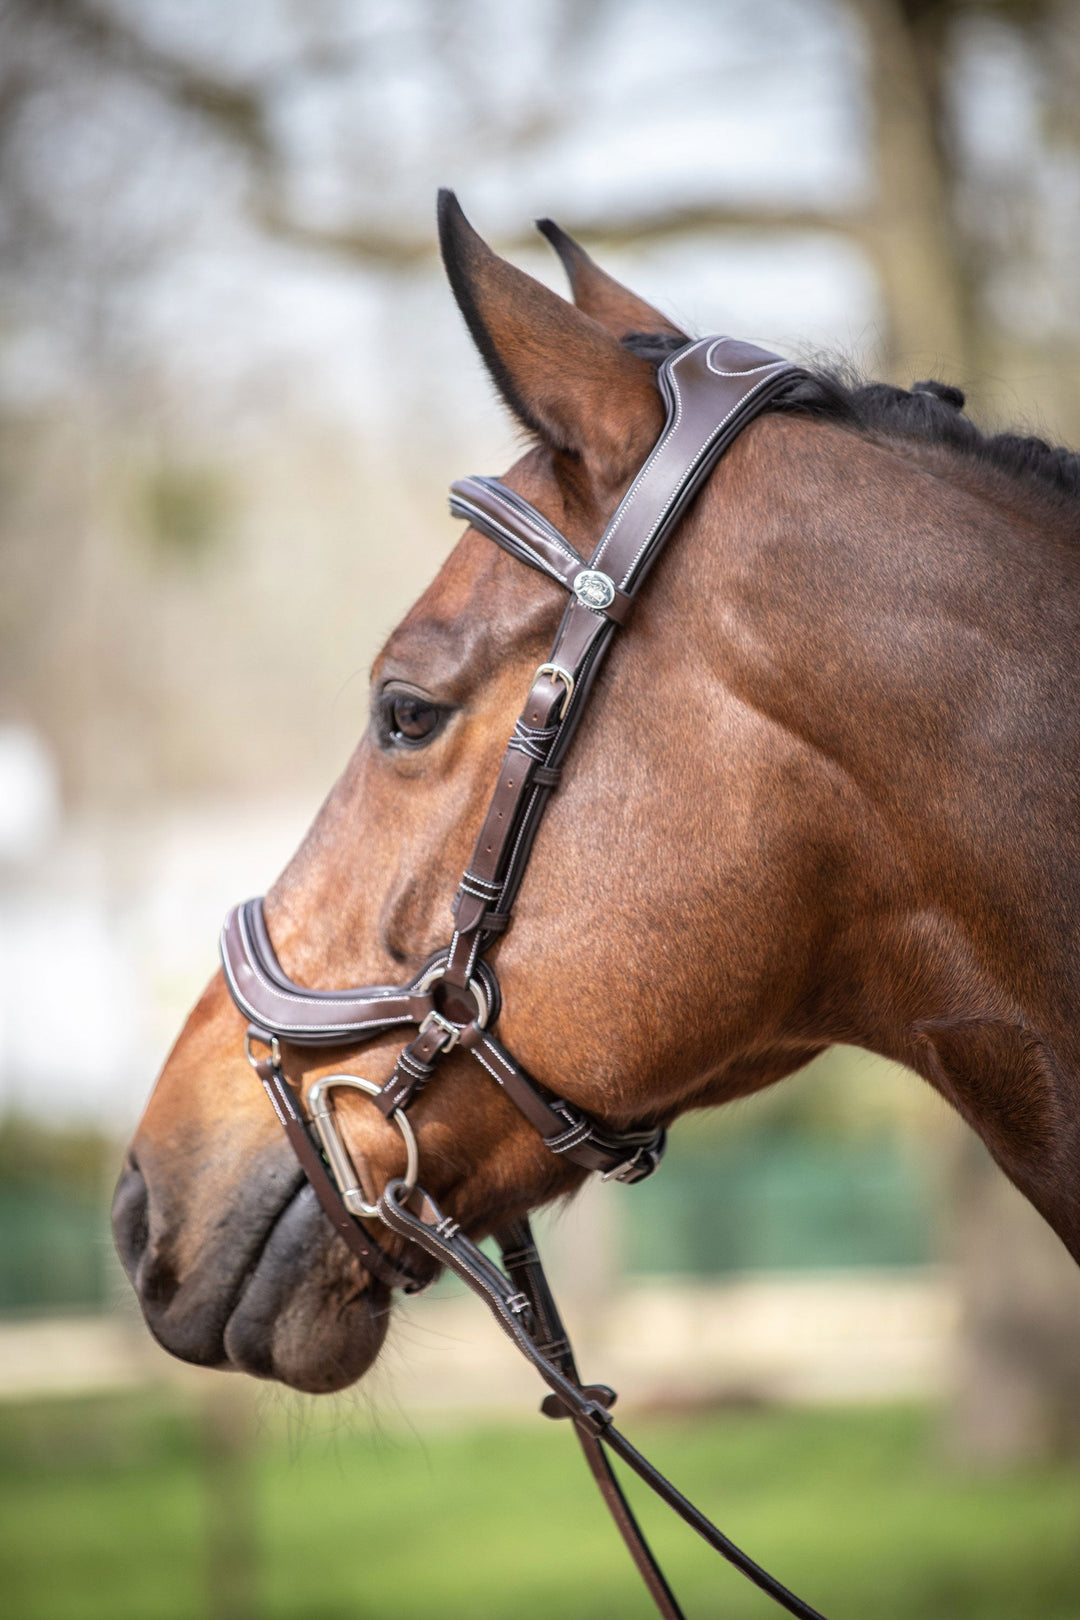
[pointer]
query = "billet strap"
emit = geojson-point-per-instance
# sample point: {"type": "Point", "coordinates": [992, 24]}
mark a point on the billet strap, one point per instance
{"type": "Point", "coordinates": [526, 1313]}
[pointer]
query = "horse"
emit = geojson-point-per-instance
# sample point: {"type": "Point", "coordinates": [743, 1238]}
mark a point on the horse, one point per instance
{"type": "Point", "coordinates": [824, 792]}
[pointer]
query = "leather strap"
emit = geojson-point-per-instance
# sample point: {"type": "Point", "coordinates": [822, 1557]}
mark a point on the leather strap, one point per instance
{"type": "Point", "coordinates": [527, 1314]}
{"type": "Point", "coordinates": [526, 534]}
{"type": "Point", "coordinates": [373, 1258]}
{"type": "Point", "coordinates": [320, 1018]}
{"type": "Point", "coordinates": [712, 388]}
{"type": "Point", "coordinates": [521, 1260]}
{"type": "Point", "coordinates": [291, 1011]}
{"type": "Point", "coordinates": [626, 1156]}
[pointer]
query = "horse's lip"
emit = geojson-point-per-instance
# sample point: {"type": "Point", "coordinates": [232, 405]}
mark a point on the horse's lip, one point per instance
{"type": "Point", "coordinates": [298, 1316]}
{"type": "Point", "coordinates": [188, 1319]}
{"type": "Point", "coordinates": [274, 1293]}
{"type": "Point", "coordinates": [250, 1271]}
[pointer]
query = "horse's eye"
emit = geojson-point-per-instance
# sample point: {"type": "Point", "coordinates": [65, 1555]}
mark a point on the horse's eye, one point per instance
{"type": "Point", "coordinates": [412, 720]}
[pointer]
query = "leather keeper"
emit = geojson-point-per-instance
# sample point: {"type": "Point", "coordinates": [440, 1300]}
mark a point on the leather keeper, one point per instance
{"type": "Point", "coordinates": [553, 1406]}
{"type": "Point", "coordinates": [397, 1092]}
{"type": "Point", "coordinates": [469, 912]}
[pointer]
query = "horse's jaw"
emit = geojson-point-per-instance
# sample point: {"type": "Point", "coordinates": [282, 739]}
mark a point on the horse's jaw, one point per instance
{"type": "Point", "coordinates": [271, 1292]}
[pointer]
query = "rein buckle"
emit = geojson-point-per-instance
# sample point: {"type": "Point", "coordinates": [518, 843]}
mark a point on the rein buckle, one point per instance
{"type": "Point", "coordinates": [640, 1165]}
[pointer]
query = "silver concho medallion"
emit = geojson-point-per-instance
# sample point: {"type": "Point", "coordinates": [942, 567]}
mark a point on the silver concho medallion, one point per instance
{"type": "Point", "coordinates": [594, 589]}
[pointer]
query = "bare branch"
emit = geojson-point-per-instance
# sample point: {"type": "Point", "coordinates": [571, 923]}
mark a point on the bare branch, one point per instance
{"type": "Point", "coordinates": [240, 114]}
{"type": "Point", "coordinates": [375, 247]}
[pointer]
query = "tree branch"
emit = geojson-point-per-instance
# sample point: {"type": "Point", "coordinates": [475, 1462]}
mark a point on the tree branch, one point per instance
{"type": "Point", "coordinates": [240, 115]}
{"type": "Point", "coordinates": [385, 248]}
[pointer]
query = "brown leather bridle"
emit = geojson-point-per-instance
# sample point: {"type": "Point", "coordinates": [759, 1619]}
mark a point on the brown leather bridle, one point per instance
{"type": "Point", "coordinates": [712, 389]}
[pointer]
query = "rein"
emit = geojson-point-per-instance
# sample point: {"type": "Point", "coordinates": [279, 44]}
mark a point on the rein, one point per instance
{"type": "Point", "coordinates": [712, 389]}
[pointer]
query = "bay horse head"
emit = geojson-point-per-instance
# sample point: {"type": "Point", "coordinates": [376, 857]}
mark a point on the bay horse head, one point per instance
{"type": "Point", "coordinates": [825, 792]}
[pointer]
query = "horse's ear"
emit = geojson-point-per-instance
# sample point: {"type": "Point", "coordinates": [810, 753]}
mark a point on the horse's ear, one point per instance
{"type": "Point", "coordinates": [565, 377]}
{"type": "Point", "coordinates": [600, 295]}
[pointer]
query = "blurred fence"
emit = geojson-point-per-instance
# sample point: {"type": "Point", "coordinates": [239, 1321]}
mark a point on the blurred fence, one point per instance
{"type": "Point", "coordinates": [760, 1199]}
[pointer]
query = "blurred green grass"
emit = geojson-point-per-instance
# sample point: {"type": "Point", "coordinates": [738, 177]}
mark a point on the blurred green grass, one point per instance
{"type": "Point", "coordinates": [104, 1511]}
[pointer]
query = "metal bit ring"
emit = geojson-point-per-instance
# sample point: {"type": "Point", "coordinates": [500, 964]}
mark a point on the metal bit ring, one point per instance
{"type": "Point", "coordinates": [344, 1171]}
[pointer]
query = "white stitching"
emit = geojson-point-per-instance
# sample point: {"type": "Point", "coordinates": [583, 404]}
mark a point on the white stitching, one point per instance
{"type": "Point", "coordinates": [278, 1110]}
{"type": "Point", "coordinates": [665, 443]}
{"type": "Point", "coordinates": [322, 998]}
{"type": "Point", "coordinates": [533, 521]}
{"type": "Point", "coordinates": [514, 543]}
{"type": "Point", "coordinates": [698, 458]}
{"type": "Point", "coordinates": [478, 1055]}
{"type": "Point", "coordinates": [517, 842]}
{"type": "Point", "coordinates": [526, 512]}
{"type": "Point", "coordinates": [632, 493]}
{"type": "Point", "coordinates": [314, 998]}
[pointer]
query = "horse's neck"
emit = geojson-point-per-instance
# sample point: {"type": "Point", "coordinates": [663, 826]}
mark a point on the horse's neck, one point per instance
{"type": "Point", "coordinates": [922, 645]}
{"type": "Point", "coordinates": [927, 644]}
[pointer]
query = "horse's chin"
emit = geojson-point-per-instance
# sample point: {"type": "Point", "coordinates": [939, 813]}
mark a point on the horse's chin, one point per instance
{"type": "Point", "coordinates": [300, 1317]}
{"type": "Point", "coordinates": [277, 1297]}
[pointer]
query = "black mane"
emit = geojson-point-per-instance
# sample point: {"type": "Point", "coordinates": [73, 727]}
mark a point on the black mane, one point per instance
{"type": "Point", "coordinates": [929, 412]}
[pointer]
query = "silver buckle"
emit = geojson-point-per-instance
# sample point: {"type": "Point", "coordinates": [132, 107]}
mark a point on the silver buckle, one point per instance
{"type": "Point", "coordinates": [633, 1169]}
{"type": "Point", "coordinates": [557, 673]}
{"type": "Point", "coordinates": [435, 1020]}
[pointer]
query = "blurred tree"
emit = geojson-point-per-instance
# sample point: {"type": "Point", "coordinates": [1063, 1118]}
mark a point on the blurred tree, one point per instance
{"type": "Point", "coordinates": [947, 235]}
{"type": "Point", "coordinates": [948, 220]}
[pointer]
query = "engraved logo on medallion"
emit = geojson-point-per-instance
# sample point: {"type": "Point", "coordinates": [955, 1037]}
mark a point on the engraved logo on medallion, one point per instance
{"type": "Point", "coordinates": [594, 589]}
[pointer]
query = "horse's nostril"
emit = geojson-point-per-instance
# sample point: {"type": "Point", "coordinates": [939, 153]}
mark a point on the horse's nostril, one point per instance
{"type": "Point", "coordinates": [130, 1217]}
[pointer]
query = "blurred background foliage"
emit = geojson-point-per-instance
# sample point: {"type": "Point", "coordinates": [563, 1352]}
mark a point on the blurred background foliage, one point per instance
{"type": "Point", "coordinates": [52, 1228]}
{"type": "Point", "coordinates": [852, 1508]}
{"type": "Point", "coordinates": [233, 388]}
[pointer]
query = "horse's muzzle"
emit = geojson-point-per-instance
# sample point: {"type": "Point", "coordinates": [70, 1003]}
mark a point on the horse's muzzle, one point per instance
{"type": "Point", "coordinates": [272, 1291]}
